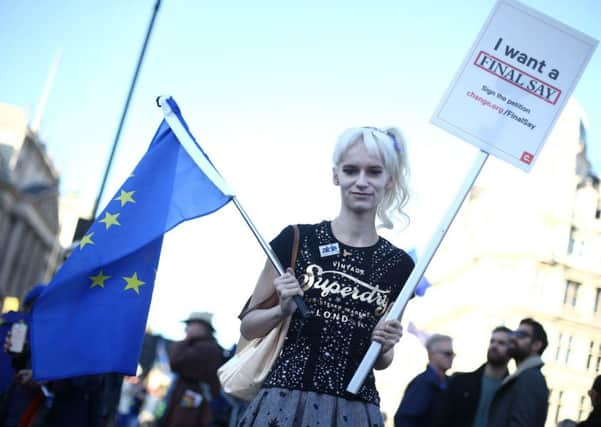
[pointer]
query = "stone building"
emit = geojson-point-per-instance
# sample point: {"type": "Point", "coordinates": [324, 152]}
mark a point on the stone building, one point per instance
{"type": "Point", "coordinates": [522, 245]}
{"type": "Point", "coordinates": [29, 225]}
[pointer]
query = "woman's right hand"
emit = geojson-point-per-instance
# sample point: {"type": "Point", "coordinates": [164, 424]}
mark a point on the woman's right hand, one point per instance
{"type": "Point", "coordinates": [286, 287]}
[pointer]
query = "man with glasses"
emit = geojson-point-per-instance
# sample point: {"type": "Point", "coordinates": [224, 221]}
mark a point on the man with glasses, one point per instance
{"type": "Point", "coordinates": [522, 399]}
{"type": "Point", "coordinates": [466, 400]}
{"type": "Point", "coordinates": [423, 393]}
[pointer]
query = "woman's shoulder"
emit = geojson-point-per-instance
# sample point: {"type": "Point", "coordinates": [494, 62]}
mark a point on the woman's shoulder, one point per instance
{"type": "Point", "coordinates": [388, 247]}
{"type": "Point", "coordinates": [306, 228]}
{"type": "Point", "coordinates": [396, 258]}
{"type": "Point", "coordinates": [282, 242]}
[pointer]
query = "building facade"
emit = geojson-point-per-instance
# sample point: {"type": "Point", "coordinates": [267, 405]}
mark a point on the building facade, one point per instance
{"type": "Point", "coordinates": [29, 248]}
{"type": "Point", "coordinates": [522, 245]}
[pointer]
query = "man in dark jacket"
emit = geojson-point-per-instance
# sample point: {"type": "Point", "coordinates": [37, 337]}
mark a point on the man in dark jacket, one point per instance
{"type": "Point", "coordinates": [522, 399]}
{"type": "Point", "coordinates": [423, 392]}
{"type": "Point", "coordinates": [594, 418]}
{"type": "Point", "coordinates": [195, 361]}
{"type": "Point", "coordinates": [466, 400]}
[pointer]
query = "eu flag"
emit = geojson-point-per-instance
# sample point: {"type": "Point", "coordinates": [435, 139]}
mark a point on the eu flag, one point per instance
{"type": "Point", "coordinates": [92, 316]}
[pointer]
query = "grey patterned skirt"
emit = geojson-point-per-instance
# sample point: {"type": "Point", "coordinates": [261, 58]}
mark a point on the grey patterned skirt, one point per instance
{"type": "Point", "coordinates": [279, 407]}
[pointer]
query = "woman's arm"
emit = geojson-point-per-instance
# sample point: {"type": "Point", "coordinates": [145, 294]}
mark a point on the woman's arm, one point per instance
{"type": "Point", "coordinates": [388, 333]}
{"type": "Point", "coordinates": [384, 360]}
{"type": "Point", "coordinates": [258, 322]}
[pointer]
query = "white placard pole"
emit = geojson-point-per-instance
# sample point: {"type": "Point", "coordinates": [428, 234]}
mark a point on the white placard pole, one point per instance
{"type": "Point", "coordinates": [399, 305]}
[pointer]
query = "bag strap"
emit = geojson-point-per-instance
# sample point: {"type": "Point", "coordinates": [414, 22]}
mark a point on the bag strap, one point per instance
{"type": "Point", "coordinates": [295, 246]}
{"type": "Point", "coordinates": [272, 300]}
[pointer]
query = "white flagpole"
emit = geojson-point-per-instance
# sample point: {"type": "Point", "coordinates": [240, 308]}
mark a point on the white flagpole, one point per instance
{"type": "Point", "coordinates": [201, 161]}
{"type": "Point", "coordinates": [399, 305]}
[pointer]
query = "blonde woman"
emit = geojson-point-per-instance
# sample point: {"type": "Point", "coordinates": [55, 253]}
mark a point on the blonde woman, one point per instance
{"type": "Point", "coordinates": [348, 275]}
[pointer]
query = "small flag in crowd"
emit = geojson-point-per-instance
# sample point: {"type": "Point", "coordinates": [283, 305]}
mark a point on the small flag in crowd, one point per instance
{"type": "Point", "coordinates": [91, 317]}
{"type": "Point", "coordinates": [421, 335]}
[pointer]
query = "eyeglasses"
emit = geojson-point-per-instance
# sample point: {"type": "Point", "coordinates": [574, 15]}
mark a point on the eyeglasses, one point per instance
{"type": "Point", "coordinates": [446, 353]}
{"type": "Point", "coordinates": [521, 334]}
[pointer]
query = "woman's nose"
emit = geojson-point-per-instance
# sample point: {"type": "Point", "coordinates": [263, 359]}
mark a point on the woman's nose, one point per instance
{"type": "Point", "coordinates": [362, 179]}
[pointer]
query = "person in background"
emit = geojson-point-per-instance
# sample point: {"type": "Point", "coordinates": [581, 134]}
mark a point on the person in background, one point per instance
{"type": "Point", "coordinates": [523, 398]}
{"type": "Point", "coordinates": [195, 361]}
{"type": "Point", "coordinates": [132, 397]}
{"type": "Point", "coordinates": [466, 400]}
{"type": "Point", "coordinates": [7, 373]}
{"type": "Point", "coordinates": [422, 396]}
{"type": "Point", "coordinates": [594, 418]}
{"type": "Point", "coordinates": [24, 399]}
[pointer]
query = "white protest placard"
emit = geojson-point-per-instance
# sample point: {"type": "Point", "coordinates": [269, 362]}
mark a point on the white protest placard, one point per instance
{"type": "Point", "coordinates": [514, 83]}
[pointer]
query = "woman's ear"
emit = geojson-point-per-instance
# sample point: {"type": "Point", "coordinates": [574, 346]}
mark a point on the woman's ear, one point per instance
{"type": "Point", "coordinates": [390, 184]}
{"type": "Point", "coordinates": [335, 176]}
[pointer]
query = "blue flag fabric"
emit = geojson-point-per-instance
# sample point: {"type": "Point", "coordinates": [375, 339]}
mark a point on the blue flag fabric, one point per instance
{"type": "Point", "coordinates": [92, 316]}
{"type": "Point", "coordinates": [423, 284]}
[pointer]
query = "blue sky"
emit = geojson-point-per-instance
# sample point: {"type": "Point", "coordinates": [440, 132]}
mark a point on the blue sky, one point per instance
{"type": "Point", "coordinates": [266, 86]}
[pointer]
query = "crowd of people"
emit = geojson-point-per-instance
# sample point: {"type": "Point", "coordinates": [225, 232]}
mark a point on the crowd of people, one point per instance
{"type": "Point", "coordinates": [348, 275]}
{"type": "Point", "coordinates": [487, 396]}
{"type": "Point", "coordinates": [490, 396]}
{"type": "Point", "coordinates": [187, 392]}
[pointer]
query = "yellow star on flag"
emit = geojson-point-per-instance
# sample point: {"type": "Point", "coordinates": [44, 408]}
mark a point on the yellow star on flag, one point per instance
{"type": "Point", "coordinates": [125, 197]}
{"type": "Point", "coordinates": [86, 240]}
{"type": "Point", "coordinates": [99, 279]}
{"type": "Point", "coordinates": [110, 219]}
{"type": "Point", "coordinates": [133, 283]}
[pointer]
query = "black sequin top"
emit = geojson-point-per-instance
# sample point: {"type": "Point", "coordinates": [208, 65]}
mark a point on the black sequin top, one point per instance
{"type": "Point", "coordinates": [347, 289]}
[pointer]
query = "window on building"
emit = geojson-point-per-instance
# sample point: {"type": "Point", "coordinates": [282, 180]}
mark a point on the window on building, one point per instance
{"type": "Point", "coordinates": [571, 242]}
{"type": "Point", "coordinates": [564, 349]}
{"type": "Point", "coordinates": [582, 407]}
{"type": "Point", "coordinates": [597, 303]}
{"type": "Point", "coordinates": [568, 349]}
{"type": "Point", "coordinates": [591, 354]}
{"type": "Point", "coordinates": [570, 295]}
{"type": "Point", "coordinates": [593, 360]}
{"type": "Point", "coordinates": [576, 243]}
{"type": "Point", "coordinates": [558, 349]}
{"type": "Point", "coordinates": [558, 407]}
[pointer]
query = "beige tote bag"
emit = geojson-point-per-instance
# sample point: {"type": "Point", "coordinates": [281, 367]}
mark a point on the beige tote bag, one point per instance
{"type": "Point", "coordinates": [243, 374]}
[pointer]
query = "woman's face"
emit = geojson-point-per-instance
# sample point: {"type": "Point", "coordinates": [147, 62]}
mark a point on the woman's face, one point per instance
{"type": "Point", "coordinates": [362, 178]}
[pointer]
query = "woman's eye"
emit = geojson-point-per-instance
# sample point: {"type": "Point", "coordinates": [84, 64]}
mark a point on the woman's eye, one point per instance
{"type": "Point", "coordinates": [350, 170]}
{"type": "Point", "coordinates": [374, 172]}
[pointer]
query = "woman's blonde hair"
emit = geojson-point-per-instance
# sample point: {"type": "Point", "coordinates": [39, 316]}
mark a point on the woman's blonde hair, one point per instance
{"type": "Point", "coordinates": [389, 145]}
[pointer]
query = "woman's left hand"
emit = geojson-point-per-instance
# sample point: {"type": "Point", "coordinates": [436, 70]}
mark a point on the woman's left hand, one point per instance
{"type": "Point", "coordinates": [388, 333]}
